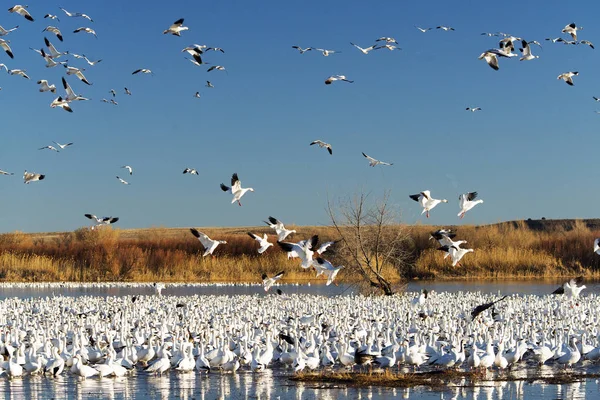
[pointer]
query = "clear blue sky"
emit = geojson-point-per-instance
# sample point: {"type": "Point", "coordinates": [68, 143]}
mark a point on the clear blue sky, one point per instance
{"type": "Point", "coordinates": [531, 152]}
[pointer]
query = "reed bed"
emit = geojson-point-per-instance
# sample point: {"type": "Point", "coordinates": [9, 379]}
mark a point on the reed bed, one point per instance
{"type": "Point", "coordinates": [505, 250]}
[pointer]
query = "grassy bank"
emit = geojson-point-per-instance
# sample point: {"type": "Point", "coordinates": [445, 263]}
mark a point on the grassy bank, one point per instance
{"type": "Point", "coordinates": [512, 249]}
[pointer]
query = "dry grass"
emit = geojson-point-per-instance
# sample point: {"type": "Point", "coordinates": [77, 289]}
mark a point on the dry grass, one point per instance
{"type": "Point", "coordinates": [172, 254]}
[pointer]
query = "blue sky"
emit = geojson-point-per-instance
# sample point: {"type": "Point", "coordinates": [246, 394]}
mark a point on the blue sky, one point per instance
{"type": "Point", "coordinates": [531, 152]}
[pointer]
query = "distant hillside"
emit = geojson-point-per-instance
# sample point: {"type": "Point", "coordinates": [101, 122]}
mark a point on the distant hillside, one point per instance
{"type": "Point", "coordinates": [552, 225]}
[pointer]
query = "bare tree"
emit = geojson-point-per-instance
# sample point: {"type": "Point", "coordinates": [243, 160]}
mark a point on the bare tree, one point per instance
{"type": "Point", "coordinates": [373, 243]}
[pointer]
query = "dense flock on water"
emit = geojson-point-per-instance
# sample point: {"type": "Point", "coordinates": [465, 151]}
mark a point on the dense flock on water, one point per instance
{"type": "Point", "coordinates": [93, 337]}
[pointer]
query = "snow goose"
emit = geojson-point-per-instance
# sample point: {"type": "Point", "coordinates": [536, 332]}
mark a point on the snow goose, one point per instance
{"type": "Point", "coordinates": [597, 246]}
{"type": "Point", "coordinates": [101, 220]}
{"type": "Point", "coordinates": [334, 78]}
{"type": "Point", "coordinates": [209, 244]}
{"type": "Point", "coordinates": [71, 96]}
{"type": "Point", "coordinates": [366, 50]}
{"type": "Point", "coordinates": [305, 251]}
{"type": "Point", "coordinates": [473, 109]}
{"type": "Point", "coordinates": [526, 51]}
{"type": "Point", "coordinates": [269, 282]}
{"type": "Point", "coordinates": [572, 29]}
{"type": "Point", "coordinates": [215, 49]}
{"type": "Point", "coordinates": [571, 288]}
{"type": "Point", "coordinates": [191, 171]}
{"type": "Point", "coordinates": [52, 16]}
{"type": "Point", "coordinates": [32, 177]}
{"type": "Point", "coordinates": [217, 68]}
{"type": "Point", "coordinates": [176, 28]}
{"type": "Point", "coordinates": [491, 59]}
{"type": "Point", "coordinates": [3, 66]}
{"type": "Point", "coordinates": [44, 87]}
{"type": "Point", "coordinates": [53, 52]}
{"type": "Point", "coordinates": [209, 85]}
{"type": "Point", "coordinates": [279, 228]}
{"type": "Point", "coordinates": [55, 364]}
{"type": "Point", "coordinates": [92, 63]}
{"type": "Point", "coordinates": [62, 103]}
{"type": "Point", "coordinates": [124, 182]}
{"type": "Point", "coordinates": [423, 30]}
{"type": "Point", "coordinates": [263, 241]}
{"type": "Point", "coordinates": [196, 59]}
{"type": "Point", "coordinates": [390, 47]}
{"type": "Point", "coordinates": [50, 61]}
{"type": "Point", "coordinates": [445, 28]}
{"type": "Point", "coordinates": [128, 168]}
{"type": "Point", "coordinates": [197, 95]}
{"type": "Point", "coordinates": [54, 30]}
{"type": "Point", "coordinates": [568, 77]}
{"type": "Point", "coordinates": [326, 268]}
{"type": "Point", "coordinates": [236, 189]}
{"type": "Point", "coordinates": [466, 201]}
{"type": "Point", "coordinates": [6, 48]}
{"type": "Point", "coordinates": [21, 10]}
{"type": "Point", "coordinates": [571, 356]}
{"type": "Point", "coordinates": [78, 73]}
{"type": "Point", "coordinates": [77, 14]}
{"type": "Point", "coordinates": [323, 144]}
{"type": "Point", "coordinates": [426, 201]}
{"type": "Point", "coordinates": [323, 247]}
{"type": "Point", "coordinates": [587, 42]}
{"type": "Point", "coordinates": [387, 40]}
{"type": "Point", "coordinates": [158, 288]}
{"type": "Point", "coordinates": [49, 147]}
{"type": "Point", "coordinates": [373, 162]}
{"type": "Point", "coordinates": [481, 308]}
{"type": "Point", "coordinates": [142, 71]}
{"type": "Point", "coordinates": [4, 32]}
{"type": "Point", "coordinates": [86, 30]}
{"type": "Point", "coordinates": [301, 50]}
{"type": "Point", "coordinates": [84, 371]}
{"type": "Point", "coordinates": [326, 53]}
{"type": "Point", "coordinates": [6, 173]}
{"type": "Point", "coordinates": [456, 253]}
{"type": "Point", "coordinates": [127, 92]}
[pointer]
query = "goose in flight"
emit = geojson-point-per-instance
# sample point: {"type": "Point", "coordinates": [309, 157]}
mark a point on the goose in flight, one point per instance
{"type": "Point", "coordinates": [113, 92]}
{"type": "Point", "coordinates": [78, 73]}
{"type": "Point", "coordinates": [209, 244]}
{"type": "Point", "coordinates": [334, 78]}
{"type": "Point", "coordinates": [54, 30]}
{"type": "Point", "coordinates": [143, 71]}
{"type": "Point", "coordinates": [60, 102]}
{"type": "Point", "coordinates": [101, 220]}
{"type": "Point", "coordinates": [86, 30]}
{"type": "Point", "coordinates": [158, 288]}
{"type": "Point", "coordinates": [323, 144]}
{"type": "Point", "coordinates": [456, 253]}
{"type": "Point", "coordinates": [444, 237]}
{"type": "Point", "coordinates": [491, 59]}
{"type": "Point", "coordinates": [124, 182]}
{"type": "Point", "coordinates": [326, 53]}
{"type": "Point", "coordinates": [6, 48]}
{"type": "Point", "coordinates": [4, 32]}
{"type": "Point", "coordinates": [427, 202]}
{"type": "Point", "coordinates": [571, 288]}
{"type": "Point", "coordinates": [572, 29]}
{"type": "Point", "coordinates": [269, 282]}
{"type": "Point", "coordinates": [77, 14]}
{"type": "Point", "coordinates": [32, 177]}
{"type": "Point", "coordinates": [587, 42]}
{"type": "Point", "coordinates": [4, 66]}
{"type": "Point", "coordinates": [191, 171]}
{"type": "Point", "coordinates": [127, 92]}
{"type": "Point", "coordinates": [304, 251]}
{"type": "Point", "coordinates": [466, 201]}
{"type": "Point", "coordinates": [489, 34]}
{"type": "Point", "coordinates": [209, 85]}
{"type": "Point", "coordinates": [365, 50]}
{"type": "Point", "coordinates": [236, 189]}
{"type": "Point", "coordinates": [49, 147]}
{"type": "Point", "coordinates": [50, 61]}
{"type": "Point", "coordinates": [176, 28]}
{"type": "Point", "coordinates": [21, 10]}
{"type": "Point", "coordinates": [526, 51]}
{"type": "Point", "coordinates": [71, 96]}
{"type": "Point", "coordinates": [194, 49]}
{"type": "Point", "coordinates": [373, 162]}
{"type": "Point", "coordinates": [445, 28]}
{"type": "Point", "coordinates": [481, 308]}
{"type": "Point", "coordinates": [216, 67]}
{"type": "Point", "coordinates": [597, 246]}
{"type": "Point", "coordinates": [279, 228]}
{"type": "Point", "coordinates": [390, 47]}
{"type": "Point", "coordinates": [263, 241]}
{"type": "Point", "coordinates": [568, 77]}
{"type": "Point", "coordinates": [20, 72]}
{"type": "Point", "coordinates": [423, 29]}
{"type": "Point", "coordinates": [197, 95]}
{"type": "Point", "coordinates": [387, 40]}
{"type": "Point", "coordinates": [215, 49]}
{"type": "Point", "coordinates": [44, 87]}
{"type": "Point", "coordinates": [91, 63]}
{"type": "Point", "coordinates": [128, 168]}
{"type": "Point", "coordinates": [301, 50]}
{"type": "Point", "coordinates": [6, 173]}
{"type": "Point", "coordinates": [63, 146]}
{"type": "Point", "coordinates": [473, 109]}
{"type": "Point", "coordinates": [52, 16]}
{"type": "Point", "coordinates": [53, 52]}
{"type": "Point", "coordinates": [197, 60]}
{"type": "Point", "coordinates": [325, 267]}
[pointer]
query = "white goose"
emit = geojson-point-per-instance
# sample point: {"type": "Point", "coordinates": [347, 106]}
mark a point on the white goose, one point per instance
{"type": "Point", "coordinates": [6, 48]}
{"type": "Point", "coordinates": [71, 96]}
{"type": "Point", "coordinates": [597, 246]}
{"type": "Point", "coordinates": [269, 282]}
{"type": "Point", "coordinates": [301, 50]}
{"type": "Point", "coordinates": [191, 171]}
{"type": "Point", "coordinates": [568, 77]}
{"type": "Point", "coordinates": [456, 253]}
{"type": "Point", "coordinates": [209, 244]}
{"type": "Point", "coordinates": [101, 220]}
{"type": "Point", "coordinates": [466, 201]}
{"type": "Point", "coordinates": [86, 30]}
{"type": "Point", "coordinates": [4, 32]}
{"type": "Point", "coordinates": [21, 10]}
{"type": "Point", "coordinates": [124, 182]}
{"type": "Point", "coordinates": [128, 168]}
{"type": "Point", "coordinates": [176, 28]}
{"type": "Point", "coordinates": [279, 228]}
{"type": "Point", "coordinates": [63, 146]}
{"type": "Point", "coordinates": [78, 73]}
{"type": "Point", "coordinates": [334, 78]}
{"type": "Point", "coordinates": [142, 71]}
{"type": "Point", "coordinates": [326, 53]}
{"type": "Point", "coordinates": [373, 162]}
{"type": "Point", "coordinates": [32, 177]}
{"type": "Point", "coordinates": [426, 201]}
{"type": "Point", "coordinates": [572, 29]}
{"type": "Point", "coordinates": [44, 87]}
{"type": "Point", "coordinates": [326, 268]}
{"type": "Point", "coordinates": [236, 189]}
{"type": "Point", "coordinates": [62, 103]}
{"type": "Point", "coordinates": [263, 241]}
{"type": "Point", "coordinates": [526, 51]}
{"type": "Point", "coordinates": [54, 30]}
{"type": "Point", "coordinates": [77, 14]}
{"type": "Point", "coordinates": [365, 50]}
{"type": "Point", "coordinates": [322, 144]}
{"type": "Point", "coordinates": [53, 52]}
{"type": "Point", "coordinates": [304, 251]}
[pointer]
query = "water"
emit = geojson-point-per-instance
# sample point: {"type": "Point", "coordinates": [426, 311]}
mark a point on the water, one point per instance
{"type": "Point", "coordinates": [275, 383]}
